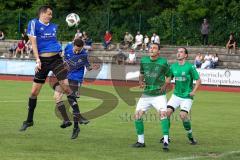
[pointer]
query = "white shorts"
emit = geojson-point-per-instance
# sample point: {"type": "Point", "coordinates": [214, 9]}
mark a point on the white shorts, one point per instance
{"type": "Point", "coordinates": [158, 102]}
{"type": "Point", "coordinates": [175, 102]}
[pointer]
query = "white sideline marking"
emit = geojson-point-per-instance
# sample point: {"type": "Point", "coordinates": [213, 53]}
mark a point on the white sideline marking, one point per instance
{"type": "Point", "coordinates": [206, 156]}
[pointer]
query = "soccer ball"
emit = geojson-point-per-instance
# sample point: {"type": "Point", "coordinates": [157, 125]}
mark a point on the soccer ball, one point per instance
{"type": "Point", "coordinates": [72, 19]}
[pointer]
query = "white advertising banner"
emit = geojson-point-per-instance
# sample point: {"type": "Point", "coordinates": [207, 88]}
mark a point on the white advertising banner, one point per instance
{"type": "Point", "coordinates": [18, 67]}
{"type": "Point", "coordinates": [220, 77]}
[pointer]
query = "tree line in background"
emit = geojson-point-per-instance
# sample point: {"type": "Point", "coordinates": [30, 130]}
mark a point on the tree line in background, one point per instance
{"type": "Point", "coordinates": [176, 21]}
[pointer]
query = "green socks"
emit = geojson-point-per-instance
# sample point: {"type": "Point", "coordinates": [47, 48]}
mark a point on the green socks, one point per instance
{"type": "Point", "coordinates": [139, 126]}
{"type": "Point", "coordinates": [140, 130]}
{"type": "Point", "coordinates": [188, 128]}
{"type": "Point", "coordinates": [165, 126]}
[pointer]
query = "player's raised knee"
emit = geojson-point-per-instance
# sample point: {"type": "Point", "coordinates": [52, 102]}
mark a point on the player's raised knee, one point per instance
{"type": "Point", "coordinates": [66, 89]}
{"type": "Point", "coordinates": [57, 96]}
{"type": "Point", "coordinates": [138, 114]}
{"type": "Point", "coordinates": [34, 92]}
{"type": "Point", "coordinates": [183, 115]}
{"type": "Point", "coordinates": [163, 115]}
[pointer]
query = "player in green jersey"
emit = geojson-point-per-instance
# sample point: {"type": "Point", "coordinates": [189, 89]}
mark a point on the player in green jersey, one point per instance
{"type": "Point", "coordinates": [153, 70]}
{"type": "Point", "coordinates": [184, 74]}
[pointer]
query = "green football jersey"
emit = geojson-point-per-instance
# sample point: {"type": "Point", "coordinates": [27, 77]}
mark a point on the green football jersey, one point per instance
{"type": "Point", "coordinates": [184, 76]}
{"type": "Point", "coordinates": [154, 72]}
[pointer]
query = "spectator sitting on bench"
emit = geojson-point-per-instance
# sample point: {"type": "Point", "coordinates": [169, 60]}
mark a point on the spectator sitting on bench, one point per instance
{"type": "Point", "coordinates": [2, 37]}
{"type": "Point", "coordinates": [207, 61]}
{"type": "Point", "coordinates": [20, 48]}
{"type": "Point", "coordinates": [215, 60]}
{"type": "Point", "coordinates": [198, 60]}
{"type": "Point", "coordinates": [138, 41]}
{"type": "Point", "coordinates": [87, 42]}
{"type": "Point", "coordinates": [29, 49]}
{"type": "Point", "coordinates": [131, 57]}
{"type": "Point", "coordinates": [107, 39]}
{"type": "Point", "coordinates": [120, 58]}
{"type": "Point", "coordinates": [231, 44]}
{"type": "Point", "coordinates": [146, 42]}
{"type": "Point", "coordinates": [12, 49]}
{"type": "Point", "coordinates": [128, 40]}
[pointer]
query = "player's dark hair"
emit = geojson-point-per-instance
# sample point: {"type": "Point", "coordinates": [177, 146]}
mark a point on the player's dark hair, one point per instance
{"type": "Point", "coordinates": [156, 44]}
{"type": "Point", "coordinates": [185, 50]}
{"type": "Point", "coordinates": [43, 9]}
{"type": "Point", "coordinates": [78, 42]}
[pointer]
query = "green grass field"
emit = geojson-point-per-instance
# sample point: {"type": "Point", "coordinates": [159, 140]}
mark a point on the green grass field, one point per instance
{"type": "Point", "coordinates": [215, 121]}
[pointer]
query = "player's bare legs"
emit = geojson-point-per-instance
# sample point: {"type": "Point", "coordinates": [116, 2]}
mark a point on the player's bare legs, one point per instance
{"type": "Point", "coordinates": [58, 94]}
{"type": "Point", "coordinates": [32, 102]}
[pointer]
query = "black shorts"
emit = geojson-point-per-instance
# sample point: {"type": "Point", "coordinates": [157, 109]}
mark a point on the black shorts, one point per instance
{"type": "Point", "coordinates": [54, 64]}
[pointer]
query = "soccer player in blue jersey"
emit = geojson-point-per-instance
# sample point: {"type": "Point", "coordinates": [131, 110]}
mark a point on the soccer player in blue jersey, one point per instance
{"type": "Point", "coordinates": [76, 59]}
{"type": "Point", "coordinates": [43, 36]}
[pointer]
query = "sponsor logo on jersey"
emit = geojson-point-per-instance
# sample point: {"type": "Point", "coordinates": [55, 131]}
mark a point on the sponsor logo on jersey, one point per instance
{"type": "Point", "coordinates": [180, 78]}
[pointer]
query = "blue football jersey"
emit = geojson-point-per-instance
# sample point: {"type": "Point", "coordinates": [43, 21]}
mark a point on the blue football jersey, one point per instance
{"type": "Point", "coordinates": [46, 36]}
{"type": "Point", "coordinates": [79, 62]}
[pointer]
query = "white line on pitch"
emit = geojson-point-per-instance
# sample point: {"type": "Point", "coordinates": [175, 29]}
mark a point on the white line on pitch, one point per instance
{"type": "Point", "coordinates": [206, 156]}
{"type": "Point", "coordinates": [21, 101]}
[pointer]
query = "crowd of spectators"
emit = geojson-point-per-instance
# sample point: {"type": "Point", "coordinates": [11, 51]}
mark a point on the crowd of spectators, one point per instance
{"type": "Point", "coordinates": [209, 61]}
{"type": "Point", "coordinates": [22, 47]}
{"type": "Point", "coordinates": [139, 42]}
{"type": "Point", "coordinates": [130, 44]}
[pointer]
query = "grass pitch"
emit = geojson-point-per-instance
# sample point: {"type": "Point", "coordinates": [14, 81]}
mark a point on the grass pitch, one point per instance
{"type": "Point", "coordinates": [215, 121]}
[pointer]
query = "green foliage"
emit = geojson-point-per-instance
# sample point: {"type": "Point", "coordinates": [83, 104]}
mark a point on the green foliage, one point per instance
{"type": "Point", "coordinates": [176, 21]}
{"type": "Point", "coordinates": [192, 9]}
